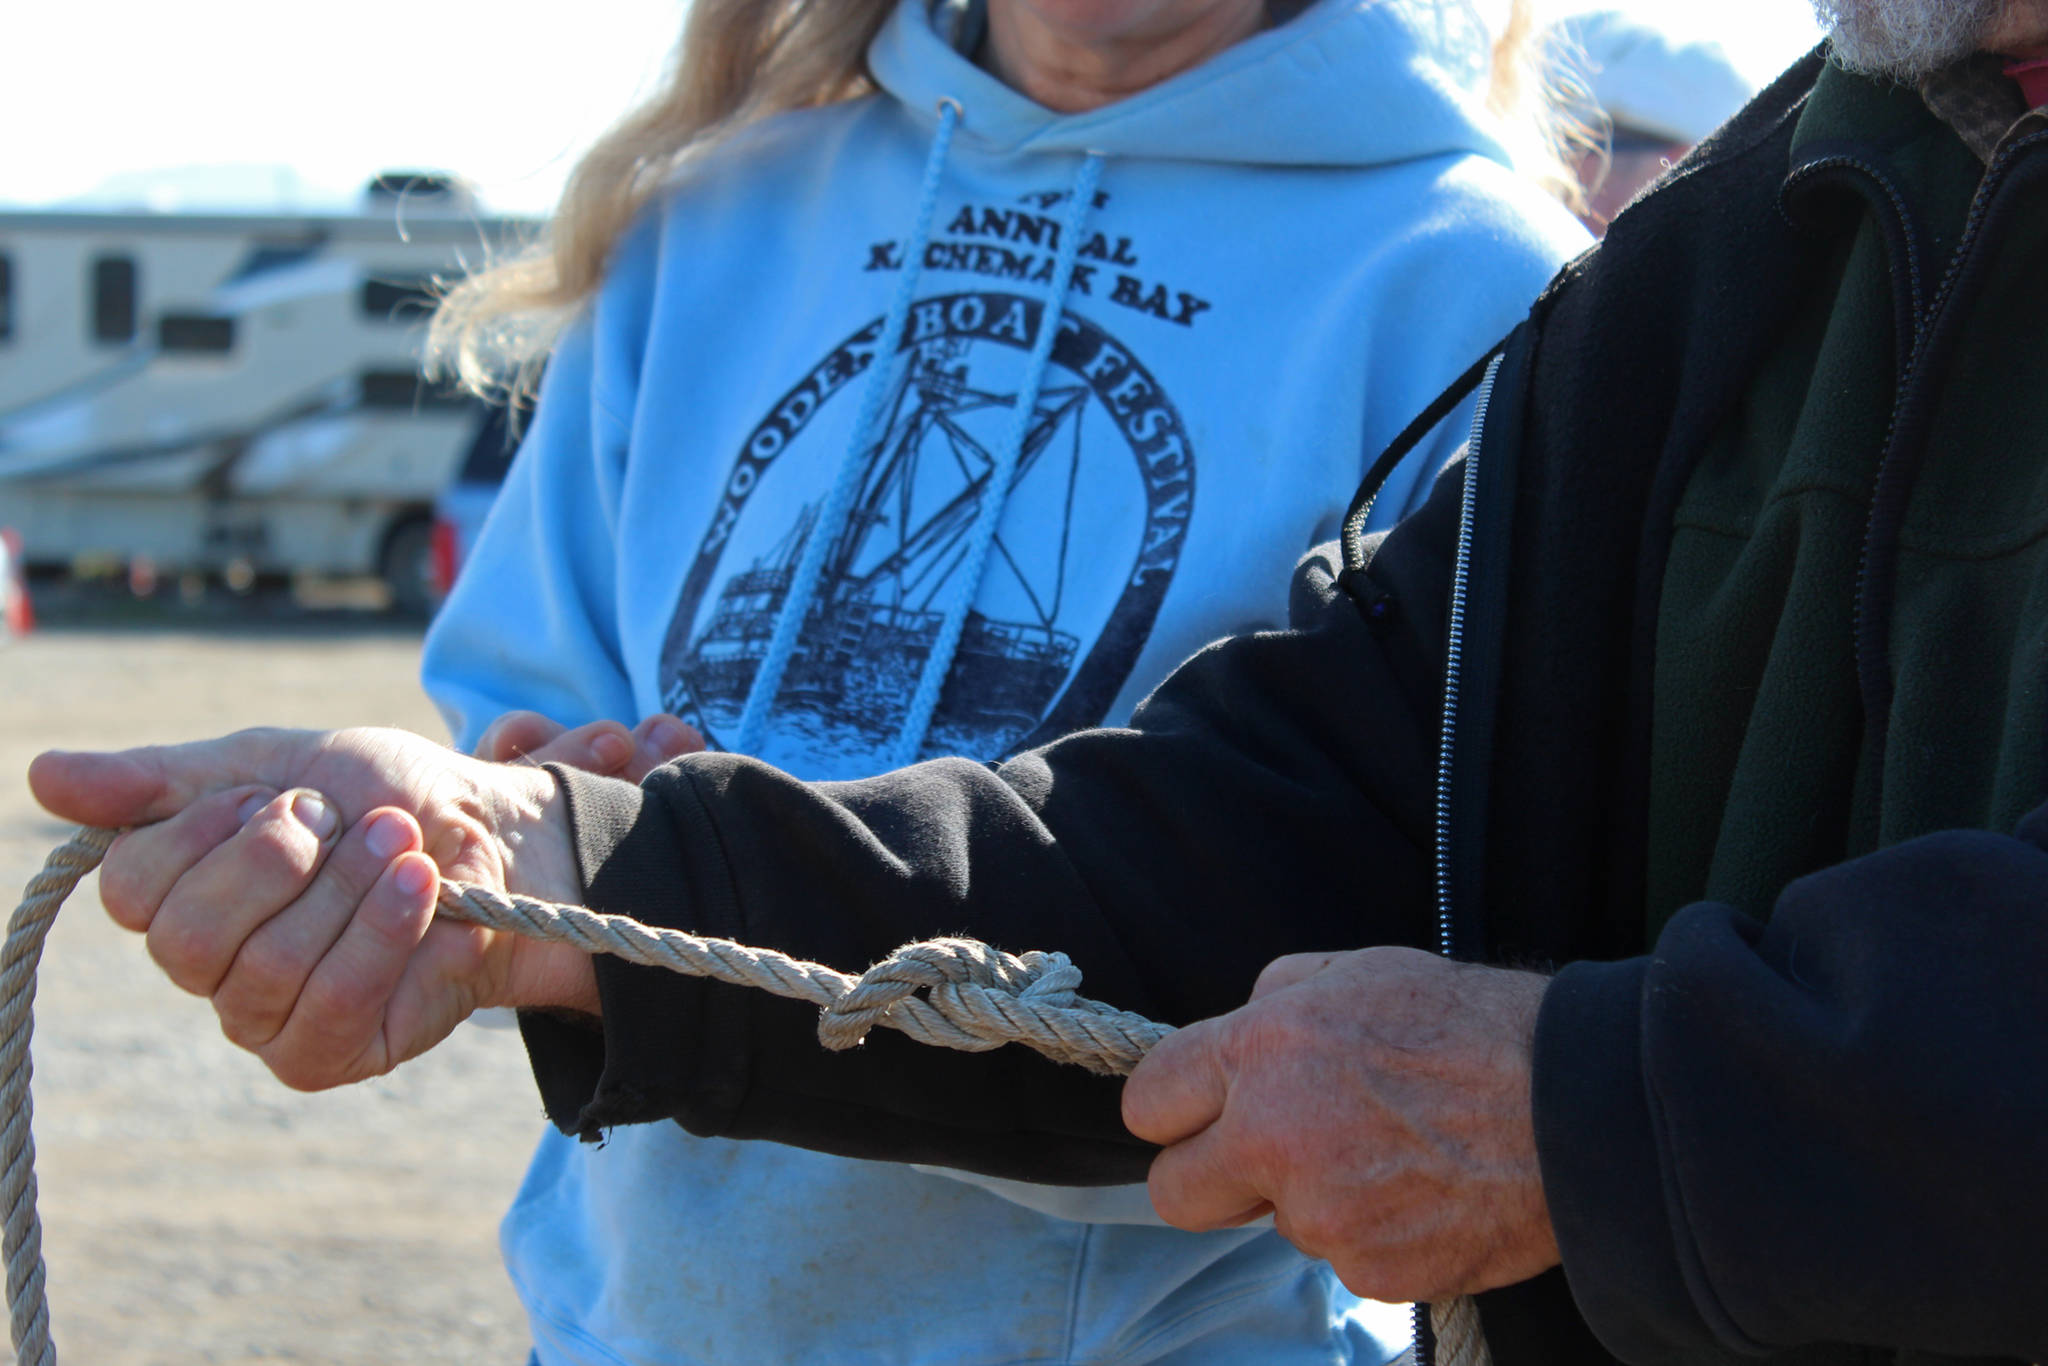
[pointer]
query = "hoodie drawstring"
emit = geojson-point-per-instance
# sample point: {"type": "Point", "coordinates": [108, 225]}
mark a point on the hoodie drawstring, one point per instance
{"type": "Point", "coordinates": [810, 567]}
{"type": "Point", "coordinates": [802, 590]}
{"type": "Point", "coordinates": [1001, 475]}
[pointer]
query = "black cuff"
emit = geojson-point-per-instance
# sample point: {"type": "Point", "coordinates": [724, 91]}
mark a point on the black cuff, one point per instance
{"type": "Point", "coordinates": [1596, 1137]}
{"type": "Point", "coordinates": [663, 1052]}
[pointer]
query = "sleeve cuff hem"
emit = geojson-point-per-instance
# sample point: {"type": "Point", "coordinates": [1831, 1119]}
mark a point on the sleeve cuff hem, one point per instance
{"type": "Point", "coordinates": [1597, 1141]}
{"type": "Point", "coordinates": [672, 1047]}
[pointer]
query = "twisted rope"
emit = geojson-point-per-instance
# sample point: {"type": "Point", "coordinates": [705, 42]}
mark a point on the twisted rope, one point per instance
{"type": "Point", "coordinates": [976, 997]}
{"type": "Point", "coordinates": [27, 1305]}
{"type": "Point", "coordinates": [950, 993]}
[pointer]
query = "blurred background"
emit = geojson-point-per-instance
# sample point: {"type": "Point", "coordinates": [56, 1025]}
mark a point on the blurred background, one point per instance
{"type": "Point", "coordinates": [228, 498]}
{"type": "Point", "coordinates": [219, 224]}
{"type": "Point", "coordinates": [125, 98]}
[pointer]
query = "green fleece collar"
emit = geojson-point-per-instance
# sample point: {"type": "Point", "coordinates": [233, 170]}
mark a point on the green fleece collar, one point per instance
{"type": "Point", "coordinates": [1845, 109]}
{"type": "Point", "coordinates": [1872, 146]}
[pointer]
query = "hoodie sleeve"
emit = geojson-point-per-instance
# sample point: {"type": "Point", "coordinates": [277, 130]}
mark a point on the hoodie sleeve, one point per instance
{"type": "Point", "coordinates": [533, 621]}
{"type": "Point", "coordinates": [1272, 797]}
{"type": "Point", "coordinates": [1830, 1128]}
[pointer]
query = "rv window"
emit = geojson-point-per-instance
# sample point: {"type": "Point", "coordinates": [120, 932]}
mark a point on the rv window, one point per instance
{"type": "Point", "coordinates": [113, 298]}
{"type": "Point", "coordinates": [406, 389]}
{"type": "Point", "coordinates": [398, 299]}
{"type": "Point", "coordinates": [195, 332]}
{"type": "Point", "coordinates": [6, 297]}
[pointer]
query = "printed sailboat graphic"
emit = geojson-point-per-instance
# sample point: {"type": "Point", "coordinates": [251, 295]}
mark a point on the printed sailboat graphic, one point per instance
{"type": "Point", "coordinates": [888, 578]}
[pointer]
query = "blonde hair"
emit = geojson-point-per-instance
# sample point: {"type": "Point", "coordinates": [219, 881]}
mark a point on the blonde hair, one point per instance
{"type": "Point", "coordinates": [1529, 92]}
{"type": "Point", "coordinates": [740, 61]}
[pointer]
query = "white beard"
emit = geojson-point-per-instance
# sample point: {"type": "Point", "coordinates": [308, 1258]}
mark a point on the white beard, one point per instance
{"type": "Point", "coordinates": [1904, 39]}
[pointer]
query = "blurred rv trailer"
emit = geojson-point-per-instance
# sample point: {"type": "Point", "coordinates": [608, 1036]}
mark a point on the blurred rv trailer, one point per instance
{"type": "Point", "coordinates": [234, 391]}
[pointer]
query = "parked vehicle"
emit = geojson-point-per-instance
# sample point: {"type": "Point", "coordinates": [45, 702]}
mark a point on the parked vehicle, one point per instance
{"type": "Point", "coordinates": [241, 391]}
{"type": "Point", "coordinates": [17, 613]}
{"type": "Point", "coordinates": [460, 510]}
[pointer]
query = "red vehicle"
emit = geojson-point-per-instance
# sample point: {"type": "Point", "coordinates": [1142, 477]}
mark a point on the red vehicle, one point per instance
{"type": "Point", "coordinates": [17, 614]}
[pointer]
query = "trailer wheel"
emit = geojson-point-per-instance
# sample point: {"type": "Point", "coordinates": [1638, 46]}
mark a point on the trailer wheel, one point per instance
{"type": "Point", "coordinates": [407, 567]}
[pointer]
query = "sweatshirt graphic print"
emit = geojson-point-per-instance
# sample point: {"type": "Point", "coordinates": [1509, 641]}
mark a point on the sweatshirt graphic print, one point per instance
{"type": "Point", "coordinates": [1105, 477]}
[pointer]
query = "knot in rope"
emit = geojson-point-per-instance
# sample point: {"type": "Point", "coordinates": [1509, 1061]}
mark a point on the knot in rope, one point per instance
{"type": "Point", "coordinates": [964, 980]}
{"type": "Point", "coordinates": [974, 997]}
{"type": "Point", "coordinates": [951, 993]}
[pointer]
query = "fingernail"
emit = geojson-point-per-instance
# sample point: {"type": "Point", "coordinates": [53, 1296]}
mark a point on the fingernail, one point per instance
{"type": "Point", "coordinates": [251, 804]}
{"type": "Point", "coordinates": [611, 749]}
{"type": "Point", "coordinates": [667, 739]}
{"type": "Point", "coordinates": [414, 876]}
{"type": "Point", "coordinates": [388, 836]}
{"type": "Point", "coordinates": [313, 813]}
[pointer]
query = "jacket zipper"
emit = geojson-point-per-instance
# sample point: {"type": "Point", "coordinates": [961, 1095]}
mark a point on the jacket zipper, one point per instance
{"type": "Point", "coordinates": [1454, 659]}
{"type": "Point", "coordinates": [1891, 484]}
{"type": "Point", "coordinates": [1447, 743]}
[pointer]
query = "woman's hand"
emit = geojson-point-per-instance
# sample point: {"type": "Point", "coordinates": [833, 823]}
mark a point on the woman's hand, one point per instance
{"type": "Point", "coordinates": [604, 747]}
{"type": "Point", "coordinates": [291, 876]}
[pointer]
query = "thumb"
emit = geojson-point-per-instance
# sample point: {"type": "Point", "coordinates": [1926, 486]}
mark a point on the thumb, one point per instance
{"type": "Point", "coordinates": [142, 786]}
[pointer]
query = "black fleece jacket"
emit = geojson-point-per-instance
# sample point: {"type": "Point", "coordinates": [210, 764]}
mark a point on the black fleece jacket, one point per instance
{"type": "Point", "coordinates": [1817, 1141]}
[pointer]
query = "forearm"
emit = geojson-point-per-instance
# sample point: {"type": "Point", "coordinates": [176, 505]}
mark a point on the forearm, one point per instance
{"type": "Point", "coordinates": [1823, 1130]}
{"type": "Point", "coordinates": [1271, 799]}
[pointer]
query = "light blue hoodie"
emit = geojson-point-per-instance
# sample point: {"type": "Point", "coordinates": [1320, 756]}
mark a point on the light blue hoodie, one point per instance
{"type": "Point", "coordinates": [735, 505]}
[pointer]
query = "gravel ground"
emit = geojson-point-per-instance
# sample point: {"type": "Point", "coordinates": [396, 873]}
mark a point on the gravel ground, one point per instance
{"type": "Point", "coordinates": [196, 1211]}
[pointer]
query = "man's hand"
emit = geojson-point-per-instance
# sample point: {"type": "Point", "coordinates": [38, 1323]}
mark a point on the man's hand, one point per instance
{"type": "Point", "coordinates": [291, 877]}
{"type": "Point", "coordinates": [603, 747]}
{"type": "Point", "coordinates": [1377, 1103]}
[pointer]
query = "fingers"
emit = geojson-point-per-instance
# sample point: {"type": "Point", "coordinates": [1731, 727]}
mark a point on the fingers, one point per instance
{"type": "Point", "coordinates": [223, 898]}
{"type": "Point", "coordinates": [1180, 1088]}
{"type": "Point", "coordinates": [515, 735]}
{"type": "Point", "coordinates": [1177, 1098]}
{"type": "Point", "coordinates": [1295, 968]}
{"type": "Point", "coordinates": [261, 987]}
{"type": "Point", "coordinates": [1204, 1183]}
{"type": "Point", "coordinates": [657, 740]}
{"type": "Point", "coordinates": [336, 1030]}
{"type": "Point", "coordinates": [143, 865]}
{"type": "Point", "coordinates": [603, 747]}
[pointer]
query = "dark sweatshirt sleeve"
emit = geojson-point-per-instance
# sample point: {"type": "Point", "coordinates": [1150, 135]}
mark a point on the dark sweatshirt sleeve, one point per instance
{"type": "Point", "coordinates": [1271, 797]}
{"type": "Point", "coordinates": [1830, 1128]}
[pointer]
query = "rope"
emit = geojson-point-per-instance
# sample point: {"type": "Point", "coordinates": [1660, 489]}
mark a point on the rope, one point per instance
{"type": "Point", "coordinates": [950, 993]}
{"type": "Point", "coordinates": [977, 997]}
{"type": "Point", "coordinates": [27, 1305]}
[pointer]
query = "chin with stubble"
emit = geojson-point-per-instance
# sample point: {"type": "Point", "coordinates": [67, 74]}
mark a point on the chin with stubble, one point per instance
{"type": "Point", "coordinates": [1905, 39]}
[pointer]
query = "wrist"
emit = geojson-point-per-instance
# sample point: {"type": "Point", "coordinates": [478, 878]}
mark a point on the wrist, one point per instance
{"type": "Point", "coordinates": [537, 851]}
{"type": "Point", "coordinates": [536, 846]}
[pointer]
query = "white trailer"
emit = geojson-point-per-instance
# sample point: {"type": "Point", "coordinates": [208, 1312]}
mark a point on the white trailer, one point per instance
{"type": "Point", "coordinates": [212, 390]}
